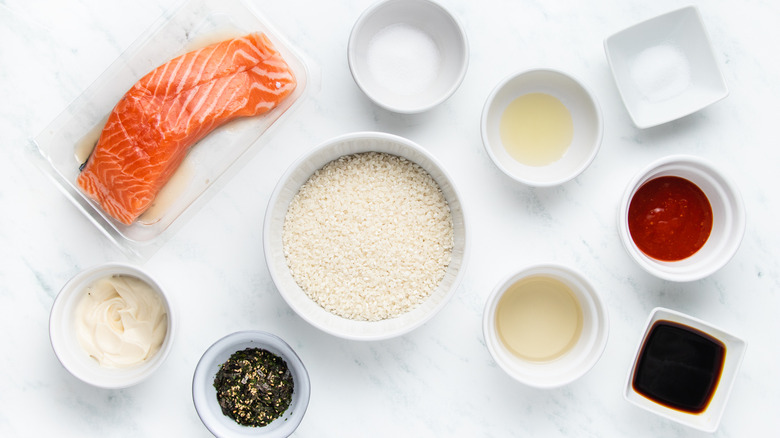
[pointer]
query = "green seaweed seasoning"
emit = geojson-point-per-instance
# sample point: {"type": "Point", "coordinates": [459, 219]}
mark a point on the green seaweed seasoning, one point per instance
{"type": "Point", "coordinates": [254, 387]}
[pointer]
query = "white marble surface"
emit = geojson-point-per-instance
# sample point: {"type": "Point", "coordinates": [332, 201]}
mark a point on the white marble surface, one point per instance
{"type": "Point", "coordinates": [438, 380]}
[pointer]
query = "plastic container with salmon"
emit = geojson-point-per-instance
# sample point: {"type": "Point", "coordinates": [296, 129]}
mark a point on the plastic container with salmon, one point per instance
{"type": "Point", "coordinates": [67, 143]}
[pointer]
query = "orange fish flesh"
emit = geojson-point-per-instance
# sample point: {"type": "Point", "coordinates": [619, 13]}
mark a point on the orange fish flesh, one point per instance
{"type": "Point", "coordinates": [150, 130]}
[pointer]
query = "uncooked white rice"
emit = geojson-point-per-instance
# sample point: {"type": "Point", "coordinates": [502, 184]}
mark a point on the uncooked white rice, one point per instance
{"type": "Point", "coordinates": [369, 236]}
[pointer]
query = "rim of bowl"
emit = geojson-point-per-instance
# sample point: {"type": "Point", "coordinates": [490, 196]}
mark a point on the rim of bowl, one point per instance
{"type": "Point", "coordinates": [63, 343]}
{"type": "Point", "coordinates": [592, 352]}
{"type": "Point", "coordinates": [267, 248]}
{"type": "Point", "coordinates": [586, 91]}
{"type": "Point", "coordinates": [356, 75]}
{"type": "Point", "coordinates": [726, 190]}
{"type": "Point", "coordinates": [202, 382]}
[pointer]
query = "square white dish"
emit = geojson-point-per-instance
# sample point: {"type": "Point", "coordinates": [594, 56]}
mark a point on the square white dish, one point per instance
{"type": "Point", "coordinates": [665, 68]}
{"type": "Point", "coordinates": [66, 142]}
{"type": "Point", "coordinates": [709, 419]}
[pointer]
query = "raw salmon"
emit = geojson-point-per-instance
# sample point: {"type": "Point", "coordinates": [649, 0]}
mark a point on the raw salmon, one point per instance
{"type": "Point", "coordinates": [150, 130]}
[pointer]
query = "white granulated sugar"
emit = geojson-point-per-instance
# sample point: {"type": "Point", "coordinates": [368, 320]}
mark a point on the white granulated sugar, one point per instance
{"type": "Point", "coordinates": [369, 236]}
{"type": "Point", "coordinates": [403, 59]}
{"type": "Point", "coordinates": [661, 72]}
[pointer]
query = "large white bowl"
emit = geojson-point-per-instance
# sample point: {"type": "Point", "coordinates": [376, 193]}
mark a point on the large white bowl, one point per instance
{"type": "Point", "coordinates": [728, 218]}
{"type": "Point", "coordinates": [424, 16]}
{"type": "Point", "coordinates": [289, 184]}
{"type": "Point", "coordinates": [64, 339]}
{"type": "Point", "coordinates": [665, 67]}
{"type": "Point", "coordinates": [709, 419]}
{"type": "Point", "coordinates": [585, 114]}
{"type": "Point", "coordinates": [574, 363]}
{"type": "Point", "coordinates": [204, 395]}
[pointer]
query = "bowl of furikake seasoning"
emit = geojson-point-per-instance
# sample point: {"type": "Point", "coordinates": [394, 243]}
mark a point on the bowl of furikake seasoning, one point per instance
{"type": "Point", "coordinates": [250, 383]}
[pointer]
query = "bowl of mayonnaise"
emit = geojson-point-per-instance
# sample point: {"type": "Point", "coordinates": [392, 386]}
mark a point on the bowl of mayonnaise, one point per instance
{"type": "Point", "coordinates": [112, 325]}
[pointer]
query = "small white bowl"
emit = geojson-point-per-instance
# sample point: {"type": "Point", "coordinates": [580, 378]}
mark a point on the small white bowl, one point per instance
{"type": "Point", "coordinates": [64, 339]}
{"type": "Point", "coordinates": [407, 55]}
{"type": "Point", "coordinates": [585, 114]}
{"type": "Point", "coordinates": [574, 363]}
{"type": "Point", "coordinates": [709, 419]}
{"type": "Point", "coordinates": [728, 218]}
{"type": "Point", "coordinates": [204, 395]}
{"type": "Point", "coordinates": [290, 183]}
{"type": "Point", "coordinates": [665, 68]}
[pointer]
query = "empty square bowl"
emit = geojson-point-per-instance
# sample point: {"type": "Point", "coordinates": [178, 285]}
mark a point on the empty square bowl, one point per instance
{"type": "Point", "coordinates": [665, 68]}
{"type": "Point", "coordinates": [684, 369]}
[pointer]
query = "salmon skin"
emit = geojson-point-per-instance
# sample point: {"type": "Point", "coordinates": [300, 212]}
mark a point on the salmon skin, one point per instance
{"type": "Point", "coordinates": [150, 130]}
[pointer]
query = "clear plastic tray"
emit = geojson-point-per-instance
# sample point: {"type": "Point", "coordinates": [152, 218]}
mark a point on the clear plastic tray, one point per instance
{"type": "Point", "coordinates": [67, 141]}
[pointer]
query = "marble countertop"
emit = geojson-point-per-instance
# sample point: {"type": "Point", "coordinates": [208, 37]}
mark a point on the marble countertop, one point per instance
{"type": "Point", "coordinates": [438, 380]}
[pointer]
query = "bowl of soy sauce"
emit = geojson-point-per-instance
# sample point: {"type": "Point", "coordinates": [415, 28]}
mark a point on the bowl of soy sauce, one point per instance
{"type": "Point", "coordinates": [684, 369]}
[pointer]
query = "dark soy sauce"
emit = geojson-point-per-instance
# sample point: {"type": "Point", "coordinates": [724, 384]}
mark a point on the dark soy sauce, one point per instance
{"type": "Point", "coordinates": [679, 366]}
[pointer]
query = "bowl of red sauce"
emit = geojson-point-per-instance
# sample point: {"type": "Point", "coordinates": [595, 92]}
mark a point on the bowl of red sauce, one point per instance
{"type": "Point", "coordinates": [681, 219]}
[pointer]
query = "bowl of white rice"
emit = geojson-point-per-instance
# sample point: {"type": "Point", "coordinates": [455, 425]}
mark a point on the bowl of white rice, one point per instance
{"type": "Point", "coordinates": [365, 236]}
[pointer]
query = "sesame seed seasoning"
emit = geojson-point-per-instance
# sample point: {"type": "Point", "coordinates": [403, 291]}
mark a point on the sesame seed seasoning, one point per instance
{"type": "Point", "coordinates": [254, 387]}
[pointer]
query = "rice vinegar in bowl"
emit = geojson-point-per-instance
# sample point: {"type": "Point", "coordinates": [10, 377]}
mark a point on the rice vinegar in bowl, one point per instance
{"type": "Point", "coordinates": [539, 319]}
{"type": "Point", "coordinates": [545, 325]}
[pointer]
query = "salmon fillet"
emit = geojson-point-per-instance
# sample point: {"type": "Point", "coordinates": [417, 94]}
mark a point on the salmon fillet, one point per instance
{"type": "Point", "coordinates": [150, 130]}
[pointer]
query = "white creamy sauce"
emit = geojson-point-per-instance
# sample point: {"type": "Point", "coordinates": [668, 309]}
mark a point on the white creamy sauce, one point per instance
{"type": "Point", "coordinates": [121, 321]}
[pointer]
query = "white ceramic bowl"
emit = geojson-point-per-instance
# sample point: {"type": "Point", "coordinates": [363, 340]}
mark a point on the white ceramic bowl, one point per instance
{"type": "Point", "coordinates": [586, 117]}
{"type": "Point", "coordinates": [289, 184]}
{"type": "Point", "coordinates": [728, 218]}
{"type": "Point", "coordinates": [664, 68]}
{"type": "Point", "coordinates": [709, 419]}
{"type": "Point", "coordinates": [64, 339]}
{"type": "Point", "coordinates": [204, 395]}
{"type": "Point", "coordinates": [574, 363]}
{"type": "Point", "coordinates": [407, 55]}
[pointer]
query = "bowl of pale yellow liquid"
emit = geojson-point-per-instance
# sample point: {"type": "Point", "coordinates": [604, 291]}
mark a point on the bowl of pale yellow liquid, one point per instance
{"type": "Point", "coordinates": [545, 325]}
{"type": "Point", "coordinates": [541, 127]}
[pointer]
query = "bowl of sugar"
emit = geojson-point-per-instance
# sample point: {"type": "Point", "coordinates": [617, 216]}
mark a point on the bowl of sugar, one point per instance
{"type": "Point", "coordinates": [665, 68]}
{"type": "Point", "coordinates": [407, 56]}
{"type": "Point", "coordinates": [541, 127]}
{"type": "Point", "coordinates": [545, 325]}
